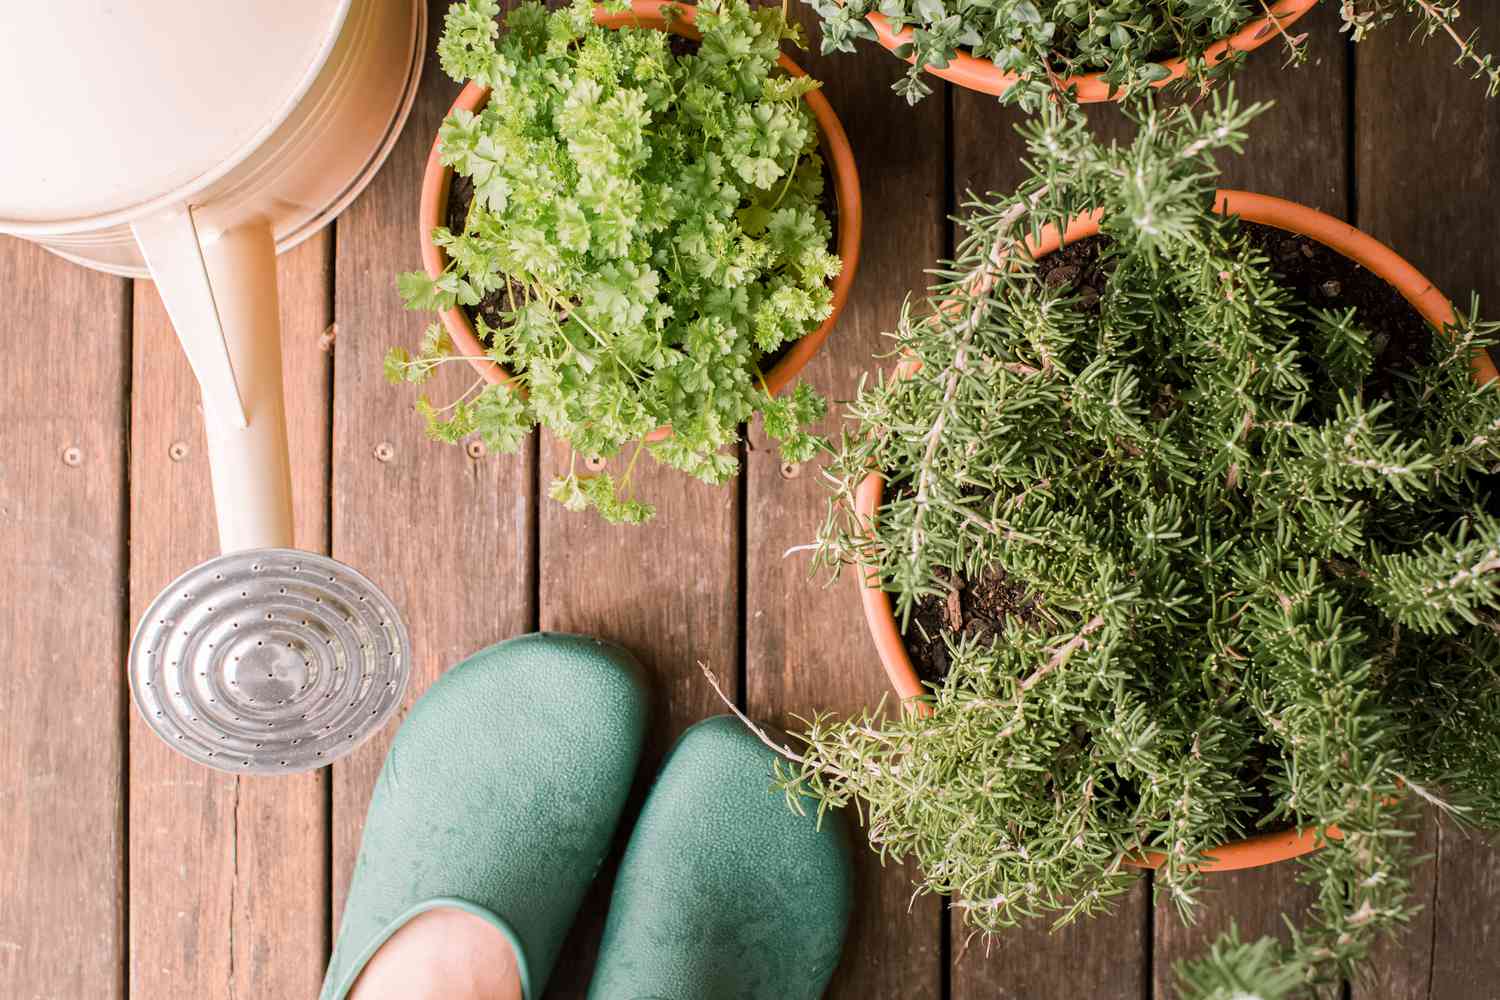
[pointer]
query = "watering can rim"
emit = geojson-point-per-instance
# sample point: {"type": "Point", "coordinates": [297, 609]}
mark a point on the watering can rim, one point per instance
{"type": "Point", "coordinates": [185, 191]}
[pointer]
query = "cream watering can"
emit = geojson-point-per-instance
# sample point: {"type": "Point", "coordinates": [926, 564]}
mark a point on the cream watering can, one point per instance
{"type": "Point", "coordinates": [190, 141]}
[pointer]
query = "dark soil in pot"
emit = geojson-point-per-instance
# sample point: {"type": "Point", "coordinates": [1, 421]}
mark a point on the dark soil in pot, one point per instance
{"type": "Point", "coordinates": [1326, 279]}
{"type": "Point", "coordinates": [977, 611]}
{"type": "Point", "coordinates": [1319, 277]}
{"type": "Point", "coordinates": [493, 307]}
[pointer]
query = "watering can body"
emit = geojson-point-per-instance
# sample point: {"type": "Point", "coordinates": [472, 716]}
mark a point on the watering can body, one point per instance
{"type": "Point", "coordinates": [191, 141]}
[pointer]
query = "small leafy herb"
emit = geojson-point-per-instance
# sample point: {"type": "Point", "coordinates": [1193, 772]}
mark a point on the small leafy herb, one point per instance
{"type": "Point", "coordinates": [1263, 594]}
{"type": "Point", "coordinates": [651, 224]}
{"type": "Point", "coordinates": [1043, 42]}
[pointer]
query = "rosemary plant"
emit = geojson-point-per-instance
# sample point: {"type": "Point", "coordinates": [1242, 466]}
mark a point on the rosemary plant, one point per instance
{"type": "Point", "coordinates": [1263, 590]}
{"type": "Point", "coordinates": [1043, 42]}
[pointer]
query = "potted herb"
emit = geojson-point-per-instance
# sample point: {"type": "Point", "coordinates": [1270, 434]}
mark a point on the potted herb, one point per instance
{"type": "Point", "coordinates": [626, 229]}
{"type": "Point", "coordinates": [1181, 548]}
{"type": "Point", "coordinates": [1026, 51]}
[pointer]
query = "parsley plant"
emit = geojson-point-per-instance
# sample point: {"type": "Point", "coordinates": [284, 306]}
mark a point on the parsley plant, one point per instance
{"type": "Point", "coordinates": [651, 222]}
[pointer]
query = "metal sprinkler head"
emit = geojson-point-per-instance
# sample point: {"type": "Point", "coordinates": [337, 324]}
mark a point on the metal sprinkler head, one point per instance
{"type": "Point", "coordinates": [269, 661]}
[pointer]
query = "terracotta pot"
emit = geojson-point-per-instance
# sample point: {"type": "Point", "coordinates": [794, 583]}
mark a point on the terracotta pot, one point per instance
{"type": "Point", "coordinates": [836, 152]}
{"type": "Point", "coordinates": [1363, 249]}
{"type": "Point", "coordinates": [984, 76]}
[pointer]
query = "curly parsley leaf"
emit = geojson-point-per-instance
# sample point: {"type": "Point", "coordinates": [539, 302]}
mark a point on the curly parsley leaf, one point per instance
{"type": "Point", "coordinates": [647, 230]}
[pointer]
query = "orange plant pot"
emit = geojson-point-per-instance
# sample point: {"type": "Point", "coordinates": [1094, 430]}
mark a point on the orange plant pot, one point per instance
{"type": "Point", "coordinates": [987, 78]}
{"type": "Point", "coordinates": [1363, 249]}
{"type": "Point", "coordinates": [836, 150]}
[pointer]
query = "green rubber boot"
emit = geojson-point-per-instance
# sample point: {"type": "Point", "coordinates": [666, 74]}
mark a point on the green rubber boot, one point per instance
{"type": "Point", "coordinates": [725, 893]}
{"type": "Point", "coordinates": [499, 796]}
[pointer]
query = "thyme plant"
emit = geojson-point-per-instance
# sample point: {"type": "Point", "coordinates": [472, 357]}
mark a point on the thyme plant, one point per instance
{"type": "Point", "coordinates": [1043, 42]}
{"type": "Point", "coordinates": [1264, 574]}
{"type": "Point", "coordinates": [649, 223]}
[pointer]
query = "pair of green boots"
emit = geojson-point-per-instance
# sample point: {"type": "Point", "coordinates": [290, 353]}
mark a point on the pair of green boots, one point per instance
{"type": "Point", "coordinates": [500, 796]}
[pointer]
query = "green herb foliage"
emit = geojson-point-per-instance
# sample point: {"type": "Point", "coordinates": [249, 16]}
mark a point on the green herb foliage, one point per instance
{"type": "Point", "coordinates": [1043, 42]}
{"type": "Point", "coordinates": [1233, 970]}
{"type": "Point", "coordinates": [1265, 594]}
{"type": "Point", "coordinates": [654, 223]}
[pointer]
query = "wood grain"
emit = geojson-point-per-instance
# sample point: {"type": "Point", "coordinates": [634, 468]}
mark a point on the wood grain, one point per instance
{"type": "Point", "coordinates": [667, 590]}
{"type": "Point", "coordinates": [1465, 929]}
{"type": "Point", "coordinates": [229, 889]}
{"type": "Point", "coordinates": [63, 532]}
{"type": "Point", "coordinates": [448, 536]}
{"type": "Point", "coordinates": [1299, 148]}
{"type": "Point", "coordinates": [1402, 965]}
{"type": "Point", "coordinates": [1426, 140]}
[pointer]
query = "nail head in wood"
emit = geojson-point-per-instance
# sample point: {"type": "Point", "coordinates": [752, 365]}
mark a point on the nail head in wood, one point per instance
{"type": "Point", "coordinates": [385, 451]}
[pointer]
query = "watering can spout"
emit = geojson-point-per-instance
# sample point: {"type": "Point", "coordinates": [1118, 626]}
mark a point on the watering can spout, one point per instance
{"type": "Point", "coordinates": [220, 155]}
{"type": "Point", "coordinates": [220, 292]}
{"type": "Point", "coordinates": [169, 242]}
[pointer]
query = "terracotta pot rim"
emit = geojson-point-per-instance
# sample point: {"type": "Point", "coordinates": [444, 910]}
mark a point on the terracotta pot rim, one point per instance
{"type": "Point", "coordinates": [984, 76]}
{"type": "Point", "coordinates": [1363, 249]}
{"type": "Point", "coordinates": [840, 159]}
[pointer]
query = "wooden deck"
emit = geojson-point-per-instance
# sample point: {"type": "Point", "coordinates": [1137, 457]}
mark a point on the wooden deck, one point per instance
{"type": "Point", "coordinates": [128, 871]}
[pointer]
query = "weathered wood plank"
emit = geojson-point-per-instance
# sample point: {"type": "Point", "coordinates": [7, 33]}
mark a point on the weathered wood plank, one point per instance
{"type": "Point", "coordinates": [807, 648]}
{"type": "Point", "coordinates": [667, 590]}
{"type": "Point", "coordinates": [1299, 149]}
{"type": "Point", "coordinates": [448, 535]}
{"type": "Point", "coordinates": [228, 874]}
{"type": "Point", "coordinates": [1402, 965]}
{"type": "Point", "coordinates": [1466, 932]}
{"type": "Point", "coordinates": [1426, 142]}
{"type": "Point", "coordinates": [63, 529]}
